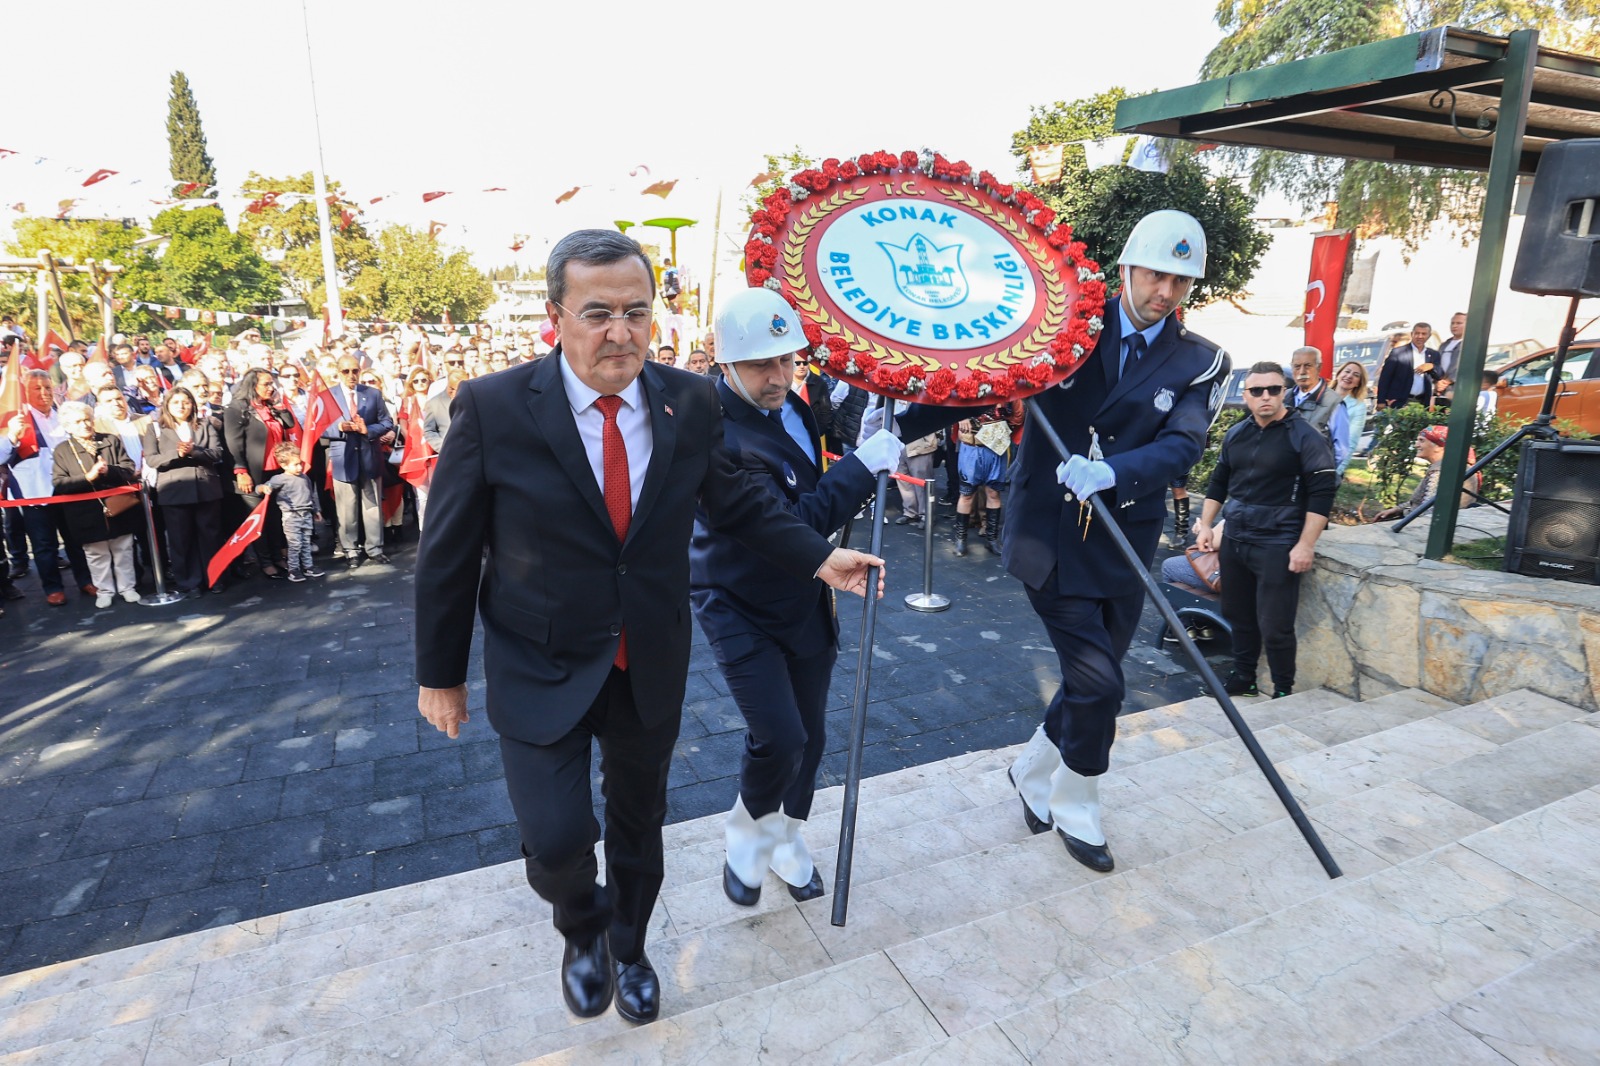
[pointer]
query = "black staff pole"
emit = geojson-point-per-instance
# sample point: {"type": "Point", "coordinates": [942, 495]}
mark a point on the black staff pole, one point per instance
{"type": "Point", "coordinates": [1103, 513]}
{"type": "Point", "coordinates": [858, 719]}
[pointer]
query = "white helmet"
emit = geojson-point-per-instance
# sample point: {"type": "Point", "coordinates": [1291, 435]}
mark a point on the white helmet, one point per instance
{"type": "Point", "coordinates": [1169, 241]}
{"type": "Point", "coordinates": [757, 324]}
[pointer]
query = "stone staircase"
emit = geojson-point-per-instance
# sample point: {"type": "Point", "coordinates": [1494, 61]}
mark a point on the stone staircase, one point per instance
{"type": "Point", "coordinates": [1466, 928]}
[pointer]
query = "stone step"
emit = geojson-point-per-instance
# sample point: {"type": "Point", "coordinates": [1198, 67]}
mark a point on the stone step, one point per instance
{"type": "Point", "coordinates": [693, 854]}
{"type": "Point", "coordinates": [1276, 871]}
{"type": "Point", "coordinates": [349, 998]}
{"type": "Point", "coordinates": [317, 946]}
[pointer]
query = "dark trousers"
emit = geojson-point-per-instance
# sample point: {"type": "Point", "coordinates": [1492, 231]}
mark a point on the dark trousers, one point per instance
{"type": "Point", "coordinates": [16, 537]}
{"type": "Point", "coordinates": [783, 699]}
{"type": "Point", "coordinates": [549, 788]}
{"type": "Point", "coordinates": [1259, 599]}
{"type": "Point", "coordinates": [44, 526]}
{"type": "Point", "coordinates": [194, 533]}
{"type": "Point", "coordinates": [1090, 636]}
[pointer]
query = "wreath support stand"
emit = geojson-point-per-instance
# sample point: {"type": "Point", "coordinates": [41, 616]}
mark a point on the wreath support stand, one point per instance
{"type": "Point", "coordinates": [1104, 515]}
{"type": "Point", "coordinates": [858, 717]}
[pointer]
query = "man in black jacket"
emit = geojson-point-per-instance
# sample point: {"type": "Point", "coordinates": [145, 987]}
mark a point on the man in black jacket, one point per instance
{"type": "Point", "coordinates": [1275, 472]}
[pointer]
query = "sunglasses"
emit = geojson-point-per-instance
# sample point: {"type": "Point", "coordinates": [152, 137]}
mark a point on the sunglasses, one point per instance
{"type": "Point", "coordinates": [1259, 391]}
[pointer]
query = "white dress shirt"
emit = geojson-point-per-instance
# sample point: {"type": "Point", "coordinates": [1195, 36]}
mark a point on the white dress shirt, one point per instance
{"type": "Point", "coordinates": [34, 475]}
{"type": "Point", "coordinates": [633, 420]}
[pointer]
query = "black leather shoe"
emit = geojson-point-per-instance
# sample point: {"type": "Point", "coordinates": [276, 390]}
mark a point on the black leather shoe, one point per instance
{"type": "Point", "coordinates": [1035, 826]}
{"type": "Point", "coordinates": [587, 979]}
{"type": "Point", "coordinates": [737, 890]}
{"type": "Point", "coordinates": [1096, 857]}
{"type": "Point", "coordinates": [379, 558]}
{"type": "Point", "coordinates": [354, 561]}
{"type": "Point", "coordinates": [10, 591]}
{"type": "Point", "coordinates": [810, 890]}
{"type": "Point", "coordinates": [638, 991]}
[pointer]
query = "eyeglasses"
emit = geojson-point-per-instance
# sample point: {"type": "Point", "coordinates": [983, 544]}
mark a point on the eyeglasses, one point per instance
{"type": "Point", "coordinates": [1259, 391]}
{"type": "Point", "coordinates": [598, 318]}
{"type": "Point", "coordinates": [352, 370]}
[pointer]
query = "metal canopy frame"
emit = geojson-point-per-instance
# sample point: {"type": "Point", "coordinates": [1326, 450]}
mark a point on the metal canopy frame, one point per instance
{"type": "Point", "coordinates": [1444, 97]}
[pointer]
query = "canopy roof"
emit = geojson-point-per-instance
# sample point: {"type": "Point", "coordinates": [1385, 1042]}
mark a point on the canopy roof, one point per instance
{"type": "Point", "coordinates": [1430, 98]}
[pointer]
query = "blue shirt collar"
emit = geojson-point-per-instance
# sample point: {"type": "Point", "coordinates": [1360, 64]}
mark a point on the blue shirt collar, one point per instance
{"type": "Point", "coordinates": [1150, 332]}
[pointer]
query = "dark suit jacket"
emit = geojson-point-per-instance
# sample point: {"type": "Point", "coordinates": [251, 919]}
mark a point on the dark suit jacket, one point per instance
{"type": "Point", "coordinates": [356, 456]}
{"type": "Point", "coordinates": [736, 591]}
{"type": "Point", "coordinates": [555, 589]}
{"type": "Point", "coordinates": [188, 478]}
{"type": "Point", "coordinates": [1151, 427]}
{"type": "Point", "coordinates": [1394, 378]}
{"type": "Point", "coordinates": [246, 437]}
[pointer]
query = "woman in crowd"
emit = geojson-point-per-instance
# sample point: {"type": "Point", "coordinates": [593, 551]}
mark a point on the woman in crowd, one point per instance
{"type": "Point", "coordinates": [184, 449]}
{"type": "Point", "coordinates": [412, 412]}
{"type": "Point", "coordinates": [1351, 385]}
{"type": "Point", "coordinates": [87, 461]}
{"type": "Point", "coordinates": [253, 424]}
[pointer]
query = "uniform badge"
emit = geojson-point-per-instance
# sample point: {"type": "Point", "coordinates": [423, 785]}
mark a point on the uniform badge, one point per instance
{"type": "Point", "coordinates": [788, 475]}
{"type": "Point", "coordinates": [779, 327]}
{"type": "Point", "coordinates": [1067, 384]}
{"type": "Point", "coordinates": [1181, 250]}
{"type": "Point", "coordinates": [1164, 401]}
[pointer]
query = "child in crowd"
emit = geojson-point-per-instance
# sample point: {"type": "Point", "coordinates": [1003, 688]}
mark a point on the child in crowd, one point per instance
{"type": "Point", "coordinates": [297, 499]}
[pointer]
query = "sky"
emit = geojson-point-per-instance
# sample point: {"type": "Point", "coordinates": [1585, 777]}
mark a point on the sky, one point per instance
{"type": "Point", "coordinates": [540, 97]}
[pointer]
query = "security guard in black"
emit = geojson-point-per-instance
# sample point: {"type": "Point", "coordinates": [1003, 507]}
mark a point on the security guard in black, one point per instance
{"type": "Point", "coordinates": [1273, 485]}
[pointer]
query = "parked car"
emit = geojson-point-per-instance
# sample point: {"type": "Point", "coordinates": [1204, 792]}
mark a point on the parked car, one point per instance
{"type": "Point", "coordinates": [1521, 386]}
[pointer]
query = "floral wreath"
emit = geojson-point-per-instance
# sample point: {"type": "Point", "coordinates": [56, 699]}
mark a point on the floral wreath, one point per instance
{"type": "Point", "coordinates": [841, 351]}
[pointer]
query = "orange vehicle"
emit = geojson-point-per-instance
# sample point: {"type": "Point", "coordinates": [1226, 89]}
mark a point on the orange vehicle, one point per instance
{"type": "Point", "coordinates": [1522, 383]}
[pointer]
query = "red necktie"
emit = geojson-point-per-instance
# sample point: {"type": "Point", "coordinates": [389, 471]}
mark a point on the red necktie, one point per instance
{"type": "Point", "coordinates": [618, 489]}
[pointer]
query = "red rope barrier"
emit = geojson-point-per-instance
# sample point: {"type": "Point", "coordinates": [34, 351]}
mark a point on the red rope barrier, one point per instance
{"type": "Point", "coordinates": [45, 501]}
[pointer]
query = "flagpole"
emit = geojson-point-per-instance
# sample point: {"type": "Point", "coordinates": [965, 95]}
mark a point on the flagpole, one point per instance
{"type": "Point", "coordinates": [710, 308]}
{"type": "Point", "coordinates": [330, 272]}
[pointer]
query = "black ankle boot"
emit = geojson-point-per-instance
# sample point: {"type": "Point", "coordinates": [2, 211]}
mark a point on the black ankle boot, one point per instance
{"type": "Point", "coordinates": [1180, 521]}
{"type": "Point", "coordinates": [991, 534]}
{"type": "Point", "coordinates": [961, 533]}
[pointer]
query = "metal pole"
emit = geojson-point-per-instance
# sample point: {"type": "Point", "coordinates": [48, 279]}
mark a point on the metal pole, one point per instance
{"type": "Point", "coordinates": [330, 267]}
{"type": "Point", "coordinates": [160, 597]}
{"type": "Point", "coordinates": [1103, 514]}
{"type": "Point", "coordinates": [858, 719]}
{"type": "Point", "coordinates": [1505, 159]}
{"type": "Point", "coordinates": [927, 601]}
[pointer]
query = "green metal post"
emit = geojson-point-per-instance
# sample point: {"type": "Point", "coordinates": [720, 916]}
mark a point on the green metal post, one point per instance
{"type": "Point", "coordinates": [1521, 54]}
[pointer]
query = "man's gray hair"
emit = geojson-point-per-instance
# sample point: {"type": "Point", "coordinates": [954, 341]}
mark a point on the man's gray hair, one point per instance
{"type": "Point", "coordinates": [598, 246]}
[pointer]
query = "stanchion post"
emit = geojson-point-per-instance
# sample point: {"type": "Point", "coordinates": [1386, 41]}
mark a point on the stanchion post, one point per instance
{"type": "Point", "coordinates": [927, 601]}
{"type": "Point", "coordinates": [858, 719]}
{"type": "Point", "coordinates": [160, 597]}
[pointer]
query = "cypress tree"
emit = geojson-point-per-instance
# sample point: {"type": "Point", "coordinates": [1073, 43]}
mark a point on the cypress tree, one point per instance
{"type": "Point", "coordinates": [186, 141]}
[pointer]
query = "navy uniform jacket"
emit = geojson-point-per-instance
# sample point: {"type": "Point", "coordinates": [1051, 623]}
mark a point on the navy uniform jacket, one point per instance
{"type": "Point", "coordinates": [1151, 427]}
{"type": "Point", "coordinates": [555, 589]}
{"type": "Point", "coordinates": [733, 589]}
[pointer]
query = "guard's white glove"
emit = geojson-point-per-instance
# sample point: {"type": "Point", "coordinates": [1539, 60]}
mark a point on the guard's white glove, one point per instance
{"type": "Point", "coordinates": [872, 422]}
{"type": "Point", "coordinates": [1085, 477]}
{"type": "Point", "coordinates": [881, 451]}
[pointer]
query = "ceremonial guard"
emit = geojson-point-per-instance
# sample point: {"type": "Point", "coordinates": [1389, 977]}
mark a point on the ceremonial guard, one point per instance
{"type": "Point", "coordinates": [1135, 417]}
{"type": "Point", "coordinates": [774, 635]}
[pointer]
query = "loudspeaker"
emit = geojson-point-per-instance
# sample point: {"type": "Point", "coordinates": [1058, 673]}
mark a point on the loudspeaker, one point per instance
{"type": "Point", "coordinates": [1560, 250]}
{"type": "Point", "coordinates": [1555, 514]}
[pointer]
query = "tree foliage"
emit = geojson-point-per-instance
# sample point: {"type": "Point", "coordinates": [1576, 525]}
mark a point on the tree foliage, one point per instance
{"type": "Point", "coordinates": [418, 281]}
{"type": "Point", "coordinates": [186, 141]}
{"type": "Point", "coordinates": [1104, 205]}
{"type": "Point", "coordinates": [1403, 201]}
{"type": "Point", "coordinates": [290, 235]}
{"type": "Point", "coordinates": [206, 265]}
{"type": "Point", "coordinates": [77, 241]}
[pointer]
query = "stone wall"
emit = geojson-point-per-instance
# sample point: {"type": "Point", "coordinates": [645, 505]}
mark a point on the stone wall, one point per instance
{"type": "Point", "coordinates": [1375, 616]}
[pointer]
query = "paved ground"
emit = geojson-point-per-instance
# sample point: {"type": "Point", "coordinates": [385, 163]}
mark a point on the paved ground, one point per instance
{"type": "Point", "coordinates": [165, 769]}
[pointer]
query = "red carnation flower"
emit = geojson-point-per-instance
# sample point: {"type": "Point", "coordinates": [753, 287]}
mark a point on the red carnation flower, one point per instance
{"type": "Point", "coordinates": [909, 159]}
{"type": "Point", "coordinates": [813, 333]}
{"type": "Point", "coordinates": [1043, 217]}
{"type": "Point", "coordinates": [967, 387]}
{"type": "Point", "coordinates": [940, 382]}
{"type": "Point", "coordinates": [1000, 386]}
{"type": "Point", "coordinates": [865, 363]}
{"type": "Point", "coordinates": [849, 171]}
{"type": "Point", "coordinates": [758, 276]}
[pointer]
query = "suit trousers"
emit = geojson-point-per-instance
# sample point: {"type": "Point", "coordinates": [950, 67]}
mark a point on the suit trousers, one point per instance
{"type": "Point", "coordinates": [1260, 597]}
{"type": "Point", "coordinates": [360, 507]}
{"type": "Point", "coordinates": [550, 793]}
{"type": "Point", "coordinates": [46, 527]}
{"type": "Point", "coordinates": [783, 699]}
{"type": "Point", "coordinates": [194, 533]}
{"type": "Point", "coordinates": [1091, 636]}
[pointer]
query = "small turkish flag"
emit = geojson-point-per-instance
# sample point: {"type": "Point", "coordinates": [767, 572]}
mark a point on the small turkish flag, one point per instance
{"type": "Point", "coordinates": [429, 197]}
{"type": "Point", "coordinates": [569, 194]}
{"type": "Point", "coordinates": [321, 412]}
{"type": "Point", "coordinates": [242, 538]}
{"type": "Point", "coordinates": [98, 176]}
{"type": "Point", "coordinates": [659, 188]}
{"type": "Point", "coordinates": [434, 229]}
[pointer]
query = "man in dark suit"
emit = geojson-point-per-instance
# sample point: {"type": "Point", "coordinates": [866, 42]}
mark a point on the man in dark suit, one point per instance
{"type": "Point", "coordinates": [581, 474]}
{"type": "Point", "coordinates": [357, 463]}
{"type": "Point", "coordinates": [774, 633]}
{"type": "Point", "coordinates": [1448, 366]}
{"type": "Point", "coordinates": [1407, 374]}
{"type": "Point", "coordinates": [436, 412]}
{"type": "Point", "coordinates": [1135, 416]}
